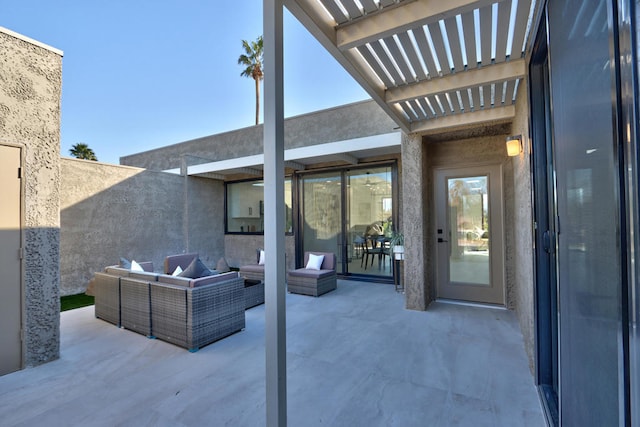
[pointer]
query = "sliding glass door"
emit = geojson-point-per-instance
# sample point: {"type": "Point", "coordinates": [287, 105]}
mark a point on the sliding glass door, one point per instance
{"type": "Point", "coordinates": [322, 213]}
{"type": "Point", "coordinates": [350, 213]}
{"type": "Point", "coordinates": [369, 221]}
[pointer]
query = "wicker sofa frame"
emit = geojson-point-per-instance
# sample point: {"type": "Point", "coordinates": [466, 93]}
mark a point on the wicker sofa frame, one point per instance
{"type": "Point", "coordinates": [253, 292]}
{"type": "Point", "coordinates": [190, 313]}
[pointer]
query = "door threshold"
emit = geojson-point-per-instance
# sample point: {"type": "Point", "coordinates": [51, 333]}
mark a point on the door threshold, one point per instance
{"type": "Point", "coordinates": [471, 304]}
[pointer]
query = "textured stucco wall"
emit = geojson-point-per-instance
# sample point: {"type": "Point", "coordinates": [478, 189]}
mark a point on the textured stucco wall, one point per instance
{"type": "Point", "coordinates": [336, 124]}
{"type": "Point", "coordinates": [110, 211]}
{"type": "Point", "coordinates": [205, 219]}
{"type": "Point", "coordinates": [418, 272]}
{"type": "Point", "coordinates": [30, 91]}
{"type": "Point", "coordinates": [523, 238]}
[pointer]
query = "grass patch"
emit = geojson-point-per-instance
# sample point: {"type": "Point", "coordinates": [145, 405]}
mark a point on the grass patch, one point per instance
{"type": "Point", "coordinates": [70, 302]}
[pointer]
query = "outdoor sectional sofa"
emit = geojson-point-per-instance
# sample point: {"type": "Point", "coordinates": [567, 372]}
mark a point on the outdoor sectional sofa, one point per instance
{"type": "Point", "coordinates": [187, 312]}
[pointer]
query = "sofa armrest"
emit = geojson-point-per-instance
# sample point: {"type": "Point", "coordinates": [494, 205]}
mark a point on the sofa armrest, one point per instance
{"type": "Point", "coordinates": [143, 275]}
{"type": "Point", "coordinates": [216, 278]}
{"type": "Point", "coordinates": [117, 271]}
{"type": "Point", "coordinates": [174, 280]}
{"type": "Point", "coordinates": [106, 290]}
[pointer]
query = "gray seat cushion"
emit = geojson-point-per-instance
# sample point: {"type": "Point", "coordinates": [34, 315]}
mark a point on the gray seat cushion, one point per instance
{"type": "Point", "coordinates": [254, 268]}
{"type": "Point", "coordinates": [317, 274]}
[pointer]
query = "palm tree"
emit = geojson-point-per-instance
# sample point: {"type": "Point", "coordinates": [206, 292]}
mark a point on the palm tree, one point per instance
{"type": "Point", "coordinates": [82, 151]}
{"type": "Point", "coordinates": [251, 59]}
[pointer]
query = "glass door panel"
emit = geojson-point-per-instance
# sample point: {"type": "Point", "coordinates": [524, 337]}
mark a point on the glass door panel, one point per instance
{"type": "Point", "coordinates": [587, 169]}
{"type": "Point", "coordinates": [469, 215]}
{"type": "Point", "coordinates": [369, 217]}
{"type": "Point", "coordinates": [358, 231]}
{"type": "Point", "coordinates": [321, 214]}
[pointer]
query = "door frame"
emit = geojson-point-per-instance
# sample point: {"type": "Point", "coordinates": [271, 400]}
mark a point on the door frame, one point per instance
{"type": "Point", "coordinates": [344, 243]}
{"type": "Point", "coordinates": [497, 294]}
{"type": "Point", "coordinates": [544, 214]}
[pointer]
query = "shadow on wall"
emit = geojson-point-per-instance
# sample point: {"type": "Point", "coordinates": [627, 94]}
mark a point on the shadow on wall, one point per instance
{"type": "Point", "coordinates": [29, 301]}
{"type": "Point", "coordinates": [111, 211]}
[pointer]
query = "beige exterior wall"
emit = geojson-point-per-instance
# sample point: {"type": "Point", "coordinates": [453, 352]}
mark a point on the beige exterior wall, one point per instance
{"type": "Point", "coordinates": [30, 92]}
{"type": "Point", "coordinates": [110, 211]}
{"type": "Point", "coordinates": [415, 210]}
{"type": "Point", "coordinates": [335, 124]}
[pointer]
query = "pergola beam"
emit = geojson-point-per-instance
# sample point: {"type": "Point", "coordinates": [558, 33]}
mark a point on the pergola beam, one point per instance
{"type": "Point", "coordinates": [497, 114]}
{"type": "Point", "coordinates": [459, 81]}
{"type": "Point", "coordinates": [402, 18]}
{"type": "Point", "coordinates": [316, 21]}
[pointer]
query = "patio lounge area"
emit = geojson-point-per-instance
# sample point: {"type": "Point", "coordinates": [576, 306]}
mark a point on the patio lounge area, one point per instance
{"type": "Point", "coordinates": [356, 357]}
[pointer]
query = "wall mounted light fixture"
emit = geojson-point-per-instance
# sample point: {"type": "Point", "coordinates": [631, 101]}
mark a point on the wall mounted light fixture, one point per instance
{"type": "Point", "coordinates": [514, 145]}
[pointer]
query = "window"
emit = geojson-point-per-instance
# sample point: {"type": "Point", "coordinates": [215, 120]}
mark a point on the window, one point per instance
{"type": "Point", "coordinates": [245, 207]}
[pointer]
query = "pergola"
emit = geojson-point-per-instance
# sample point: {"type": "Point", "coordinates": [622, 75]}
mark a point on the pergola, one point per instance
{"type": "Point", "coordinates": [433, 66]}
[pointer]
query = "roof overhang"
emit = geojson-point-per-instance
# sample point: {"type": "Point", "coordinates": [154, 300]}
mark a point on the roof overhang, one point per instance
{"type": "Point", "coordinates": [347, 151]}
{"type": "Point", "coordinates": [431, 65]}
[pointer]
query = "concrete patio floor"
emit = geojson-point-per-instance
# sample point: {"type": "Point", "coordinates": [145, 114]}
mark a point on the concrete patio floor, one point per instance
{"type": "Point", "coordinates": [356, 357]}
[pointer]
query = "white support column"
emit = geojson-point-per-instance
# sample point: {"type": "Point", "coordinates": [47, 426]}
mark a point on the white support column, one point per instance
{"type": "Point", "coordinates": [274, 216]}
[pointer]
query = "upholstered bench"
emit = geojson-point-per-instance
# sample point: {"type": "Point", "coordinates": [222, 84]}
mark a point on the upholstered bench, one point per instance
{"type": "Point", "coordinates": [314, 281]}
{"type": "Point", "coordinates": [254, 271]}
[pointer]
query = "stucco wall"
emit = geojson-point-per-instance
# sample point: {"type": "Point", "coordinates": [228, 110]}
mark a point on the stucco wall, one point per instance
{"type": "Point", "coordinates": [418, 272]}
{"type": "Point", "coordinates": [523, 217]}
{"type": "Point", "coordinates": [335, 124]}
{"type": "Point", "coordinates": [30, 91]}
{"type": "Point", "coordinates": [110, 211]}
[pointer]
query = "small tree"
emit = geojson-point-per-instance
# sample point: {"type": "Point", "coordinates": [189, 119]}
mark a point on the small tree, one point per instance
{"type": "Point", "coordinates": [82, 151]}
{"type": "Point", "coordinates": [252, 59]}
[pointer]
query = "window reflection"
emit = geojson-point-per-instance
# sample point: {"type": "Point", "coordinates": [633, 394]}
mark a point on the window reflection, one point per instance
{"type": "Point", "coordinates": [245, 207]}
{"type": "Point", "coordinates": [468, 204]}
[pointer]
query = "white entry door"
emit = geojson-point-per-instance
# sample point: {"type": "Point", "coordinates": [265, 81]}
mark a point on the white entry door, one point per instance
{"type": "Point", "coordinates": [469, 234]}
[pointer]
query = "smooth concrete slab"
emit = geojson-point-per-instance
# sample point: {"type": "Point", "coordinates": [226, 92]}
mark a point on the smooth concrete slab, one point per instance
{"type": "Point", "coordinates": [356, 357]}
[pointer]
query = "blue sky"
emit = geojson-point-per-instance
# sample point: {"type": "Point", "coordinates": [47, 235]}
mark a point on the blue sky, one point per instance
{"type": "Point", "coordinates": [141, 74]}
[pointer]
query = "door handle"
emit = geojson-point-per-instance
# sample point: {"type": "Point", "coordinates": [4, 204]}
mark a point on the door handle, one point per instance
{"type": "Point", "coordinates": [441, 240]}
{"type": "Point", "coordinates": [548, 242]}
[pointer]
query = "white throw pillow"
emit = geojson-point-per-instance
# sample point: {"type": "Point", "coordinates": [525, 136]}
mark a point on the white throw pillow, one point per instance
{"type": "Point", "coordinates": [315, 261]}
{"type": "Point", "coordinates": [261, 260]}
{"type": "Point", "coordinates": [135, 266]}
{"type": "Point", "coordinates": [177, 271]}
